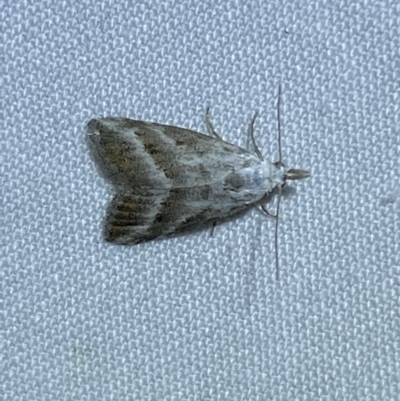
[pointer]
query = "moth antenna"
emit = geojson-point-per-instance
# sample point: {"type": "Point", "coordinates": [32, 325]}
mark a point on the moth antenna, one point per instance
{"type": "Point", "coordinates": [278, 112]}
{"type": "Point", "coordinates": [279, 121]}
{"type": "Point", "coordinates": [276, 233]}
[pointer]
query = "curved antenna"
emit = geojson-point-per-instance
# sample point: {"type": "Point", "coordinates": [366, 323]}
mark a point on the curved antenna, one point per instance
{"type": "Point", "coordinates": [276, 232]}
{"type": "Point", "coordinates": [291, 174]}
{"type": "Point", "coordinates": [278, 112]}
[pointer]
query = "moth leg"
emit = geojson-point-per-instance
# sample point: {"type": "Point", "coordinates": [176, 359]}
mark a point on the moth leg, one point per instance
{"type": "Point", "coordinates": [213, 228]}
{"type": "Point", "coordinates": [210, 125]}
{"type": "Point", "coordinates": [250, 136]}
{"type": "Point", "coordinates": [269, 214]}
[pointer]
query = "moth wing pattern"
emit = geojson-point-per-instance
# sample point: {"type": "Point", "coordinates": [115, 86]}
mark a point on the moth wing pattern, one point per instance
{"type": "Point", "coordinates": [168, 179]}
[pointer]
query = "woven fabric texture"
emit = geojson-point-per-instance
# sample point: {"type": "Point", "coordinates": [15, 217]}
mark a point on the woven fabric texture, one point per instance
{"type": "Point", "coordinates": [201, 317]}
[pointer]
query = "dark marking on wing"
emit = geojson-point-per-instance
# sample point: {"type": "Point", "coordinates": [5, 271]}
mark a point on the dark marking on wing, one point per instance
{"type": "Point", "coordinates": [234, 181]}
{"type": "Point", "coordinates": [127, 215]}
{"type": "Point", "coordinates": [119, 158]}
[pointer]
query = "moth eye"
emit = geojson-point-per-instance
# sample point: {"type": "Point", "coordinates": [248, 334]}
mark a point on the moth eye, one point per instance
{"type": "Point", "coordinates": [158, 217]}
{"type": "Point", "coordinates": [235, 181]}
{"type": "Point", "coordinates": [279, 164]}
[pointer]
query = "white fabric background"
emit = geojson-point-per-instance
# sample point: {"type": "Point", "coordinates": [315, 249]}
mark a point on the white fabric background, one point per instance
{"type": "Point", "coordinates": [199, 317]}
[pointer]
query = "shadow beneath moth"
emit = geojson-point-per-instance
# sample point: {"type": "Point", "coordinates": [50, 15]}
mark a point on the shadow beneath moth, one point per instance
{"type": "Point", "coordinates": [170, 179]}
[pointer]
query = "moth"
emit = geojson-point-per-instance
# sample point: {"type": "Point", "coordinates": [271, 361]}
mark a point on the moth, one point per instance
{"type": "Point", "coordinates": [170, 179]}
